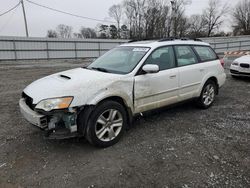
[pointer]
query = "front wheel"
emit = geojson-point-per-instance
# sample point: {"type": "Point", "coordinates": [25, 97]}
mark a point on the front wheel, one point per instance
{"type": "Point", "coordinates": [106, 124]}
{"type": "Point", "coordinates": [207, 96]}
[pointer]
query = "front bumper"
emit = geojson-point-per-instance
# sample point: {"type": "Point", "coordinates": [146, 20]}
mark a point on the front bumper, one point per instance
{"type": "Point", "coordinates": [31, 116]}
{"type": "Point", "coordinates": [58, 125]}
{"type": "Point", "coordinates": [239, 73]}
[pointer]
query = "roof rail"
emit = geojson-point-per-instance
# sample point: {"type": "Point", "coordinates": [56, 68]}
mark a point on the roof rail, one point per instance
{"type": "Point", "coordinates": [133, 40]}
{"type": "Point", "coordinates": [165, 39]}
{"type": "Point", "coordinates": [144, 39]}
{"type": "Point", "coordinates": [176, 38]}
{"type": "Point", "coordinates": [196, 39]}
{"type": "Point", "coordinates": [168, 39]}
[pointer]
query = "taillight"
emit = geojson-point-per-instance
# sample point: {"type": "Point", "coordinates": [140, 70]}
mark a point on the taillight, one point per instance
{"type": "Point", "coordinates": [222, 62]}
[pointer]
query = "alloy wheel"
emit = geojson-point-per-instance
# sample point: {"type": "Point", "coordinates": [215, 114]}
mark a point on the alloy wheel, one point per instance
{"type": "Point", "coordinates": [109, 125]}
{"type": "Point", "coordinates": [208, 94]}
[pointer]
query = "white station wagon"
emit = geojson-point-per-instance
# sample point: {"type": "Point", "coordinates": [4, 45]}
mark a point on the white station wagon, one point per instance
{"type": "Point", "coordinates": [99, 101]}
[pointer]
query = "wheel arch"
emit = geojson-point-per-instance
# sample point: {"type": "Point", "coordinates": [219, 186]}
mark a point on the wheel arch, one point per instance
{"type": "Point", "coordinates": [215, 80]}
{"type": "Point", "coordinates": [86, 111]}
{"type": "Point", "coordinates": [121, 101]}
{"type": "Point", "coordinates": [205, 80]}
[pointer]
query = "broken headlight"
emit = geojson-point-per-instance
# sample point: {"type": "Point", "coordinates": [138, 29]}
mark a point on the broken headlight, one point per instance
{"type": "Point", "coordinates": [54, 104]}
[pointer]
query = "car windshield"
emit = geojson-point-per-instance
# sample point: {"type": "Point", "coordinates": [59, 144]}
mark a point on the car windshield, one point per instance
{"type": "Point", "coordinates": [121, 60]}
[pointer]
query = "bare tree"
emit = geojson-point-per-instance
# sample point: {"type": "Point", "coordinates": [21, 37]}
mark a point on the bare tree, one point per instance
{"type": "Point", "coordinates": [129, 13]}
{"type": "Point", "coordinates": [178, 16]}
{"type": "Point", "coordinates": [115, 12]}
{"type": "Point", "coordinates": [241, 16]}
{"type": "Point", "coordinates": [134, 10]}
{"type": "Point", "coordinates": [152, 18]}
{"type": "Point", "coordinates": [52, 34]}
{"type": "Point", "coordinates": [140, 4]}
{"type": "Point", "coordinates": [196, 26]}
{"type": "Point", "coordinates": [156, 17]}
{"type": "Point", "coordinates": [183, 26]}
{"type": "Point", "coordinates": [64, 31]}
{"type": "Point", "coordinates": [214, 15]}
{"type": "Point", "coordinates": [163, 23]}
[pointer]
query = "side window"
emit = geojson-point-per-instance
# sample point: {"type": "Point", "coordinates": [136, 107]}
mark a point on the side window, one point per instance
{"type": "Point", "coordinates": [205, 53]}
{"type": "Point", "coordinates": [185, 56]}
{"type": "Point", "coordinates": [163, 57]}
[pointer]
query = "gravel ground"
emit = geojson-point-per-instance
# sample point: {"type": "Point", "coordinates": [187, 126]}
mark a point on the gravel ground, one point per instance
{"type": "Point", "coordinates": [174, 147]}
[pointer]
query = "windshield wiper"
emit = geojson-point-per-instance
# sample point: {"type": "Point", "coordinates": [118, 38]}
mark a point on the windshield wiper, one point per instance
{"type": "Point", "coordinates": [99, 69]}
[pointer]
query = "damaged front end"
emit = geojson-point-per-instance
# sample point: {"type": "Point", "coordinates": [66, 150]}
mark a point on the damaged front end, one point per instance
{"type": "Point", "coordinates": [57, 124]}
{"type": "Point", "coordinates": [62, 125]}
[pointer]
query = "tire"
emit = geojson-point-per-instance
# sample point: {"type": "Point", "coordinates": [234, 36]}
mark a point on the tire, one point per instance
{"type": "Point", "coordinates": [106, 124]}
{"type": "Point", "coordinates": [207, 95]}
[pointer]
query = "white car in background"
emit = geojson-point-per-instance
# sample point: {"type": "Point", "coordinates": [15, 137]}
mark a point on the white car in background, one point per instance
{"type": "Point", "coordinates": [99, 101]}
{"type": "Point", "coordinates": [241, 66]}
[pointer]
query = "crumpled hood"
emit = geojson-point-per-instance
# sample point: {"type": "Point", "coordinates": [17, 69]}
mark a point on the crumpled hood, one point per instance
{"type": "Point", "coordinates": [78, 83]}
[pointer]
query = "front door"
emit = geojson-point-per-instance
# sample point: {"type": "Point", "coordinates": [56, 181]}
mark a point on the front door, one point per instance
{"type": "Point", "coordinates": [155, 90]}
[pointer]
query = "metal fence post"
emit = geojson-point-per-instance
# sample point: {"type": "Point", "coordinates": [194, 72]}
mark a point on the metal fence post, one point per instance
{"type": "Point", "coordinates": [47, 49]}
{"type": "Point", "coordinates": [99, 48]}
{"type": "Point", "coordinates": [75, 49]}
{"type": "Point", "coordinates": [240, 46]}
{"type": "Point", "coordinates": [15, 52]}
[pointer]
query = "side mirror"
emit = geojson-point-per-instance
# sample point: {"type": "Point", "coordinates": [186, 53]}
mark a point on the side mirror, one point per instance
{"type": "Point", "coordinates": [149, 68]}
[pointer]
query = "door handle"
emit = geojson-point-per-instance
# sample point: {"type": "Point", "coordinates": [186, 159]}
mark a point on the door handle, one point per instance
{"type": "Point", "coordinates": [202, 70]}
{"type": "Point", "coordinates": [172, 76]}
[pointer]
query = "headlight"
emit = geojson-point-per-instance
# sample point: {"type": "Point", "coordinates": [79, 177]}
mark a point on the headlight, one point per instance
{"type": "Point", "coordinates": [54, 104]}
{"type": "Point", "coordinates": [235, 63]}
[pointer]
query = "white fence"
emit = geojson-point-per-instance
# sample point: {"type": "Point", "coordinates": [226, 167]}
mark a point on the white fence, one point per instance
{"type": "Point", "coordinates": [20, 48]}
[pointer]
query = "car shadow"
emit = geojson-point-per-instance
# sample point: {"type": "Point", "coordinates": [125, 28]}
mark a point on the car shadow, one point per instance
{"type": "Point", "coordinates": [242, 78]}
{"type": "Point", "coordinates": [170, 111]}
{"type": "Point", "coordinates": [138, 122]}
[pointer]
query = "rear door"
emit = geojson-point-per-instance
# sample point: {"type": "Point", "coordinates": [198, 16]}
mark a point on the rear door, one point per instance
{"type": "Point", "coordinates": [208, 60]}
{"type": "Point", "coordinates": [159, 89]}
{"type": "Point", "coordinates": [190, 72]}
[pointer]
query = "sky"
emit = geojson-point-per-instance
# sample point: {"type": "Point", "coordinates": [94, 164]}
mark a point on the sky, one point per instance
{"type": "Point", "coordinates": [40, 19]}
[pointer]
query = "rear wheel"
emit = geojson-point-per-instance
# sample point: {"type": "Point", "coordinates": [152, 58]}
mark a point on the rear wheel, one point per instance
{"type": "Point", "coordinates": [106, 124]}
{"type": "Point", "coordinates": [207, 96]}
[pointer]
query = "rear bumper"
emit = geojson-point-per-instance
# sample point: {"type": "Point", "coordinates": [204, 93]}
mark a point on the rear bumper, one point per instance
{"type": "Point", "coordinates": [221, 79]}
{"type": "Point", "coordinates": [31, 116]}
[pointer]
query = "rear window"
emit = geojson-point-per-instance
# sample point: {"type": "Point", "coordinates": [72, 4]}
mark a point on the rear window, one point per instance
{"type": "Point", "coordinates": [185, 55]}
{"type": "Point", "coordinates": [205, 53]}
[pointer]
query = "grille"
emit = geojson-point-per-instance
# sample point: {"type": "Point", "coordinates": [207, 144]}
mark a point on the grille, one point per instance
{"type": "Point", "coordinates": [28, 101]}
{"type": "Point", "coordinates": [244, 65]}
